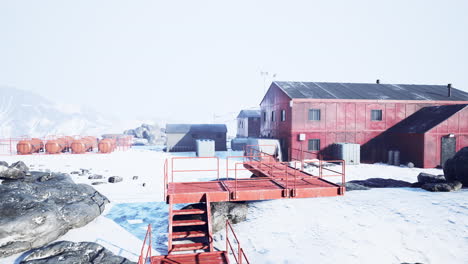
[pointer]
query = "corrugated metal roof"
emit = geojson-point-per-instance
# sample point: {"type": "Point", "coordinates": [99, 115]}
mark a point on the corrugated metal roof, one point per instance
{"type": "Point", "coordinates": [185, 128]}
{"type": "Point", "coordinates": [426, 118]}
{"type": "Point", "coordinates": [249, 113]}
{"type": "Point", "coordinates": [370, 91]}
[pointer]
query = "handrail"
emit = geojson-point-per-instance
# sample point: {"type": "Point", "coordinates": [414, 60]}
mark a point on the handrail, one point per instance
{"type": "Point", "coordinates": [341, 174]}
{"type": "Point", "coordinates": [185, 158]}
{"type": "Point", "coordinates": [240, 256]}
{"type": "Point", "coordinates": [272, 168]}
{"type": "Point", "coordinates": [232, 157]}
{"type": "Point", "coordinates": [148, 251]}
{"type": "Point", "coordinates": [165, 178]}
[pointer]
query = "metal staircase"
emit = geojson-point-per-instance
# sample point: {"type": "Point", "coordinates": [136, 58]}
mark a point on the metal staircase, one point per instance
{"type": "Point", "coordinates": [193, 224]}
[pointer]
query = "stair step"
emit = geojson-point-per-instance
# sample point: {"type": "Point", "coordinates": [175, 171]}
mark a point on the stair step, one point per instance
{"type": "Point", "coordinates": [188, 212]}
{"type": "Point", "coordinates": [217, 257]}
{"type": "Point", "coordinates": [188, 234]}
{"type": "Point", "coordinates": [189, 246]}
{"type": "Point", "coordinates": [188, 222]}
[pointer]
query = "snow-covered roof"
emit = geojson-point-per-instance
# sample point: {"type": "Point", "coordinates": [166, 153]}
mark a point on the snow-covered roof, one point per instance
{"type": "Point", "coordinates": [249, 113]}
{"type": "Point", "coordinates": [185, 128]}
{"type": "Point", "coordinates": [370, 91]}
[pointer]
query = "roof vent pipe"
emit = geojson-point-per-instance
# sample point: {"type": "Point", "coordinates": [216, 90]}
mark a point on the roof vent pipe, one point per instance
{"type": "Point", "coordinates": [449, 86]}
{"type": "Point", "coordinates": [378, 81]}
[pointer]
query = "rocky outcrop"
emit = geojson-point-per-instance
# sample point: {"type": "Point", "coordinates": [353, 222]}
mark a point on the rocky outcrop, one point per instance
{"type": "Point", "coordinates": [442, 187]}
{"type": "Point", "coordinates": [436, 183]}
{"type": "Point", "coordinates": [456, 168]}
{"type": "Point", "coordinates": [355, 187]}
{"type": "Point", "coordinates": [145, 134]}
{"type": "Point", "coordinates": [17, 170]}
{"type": "Point", "coordinates": [381, 183]}
{"type": "Point", "coordinates": [430, 178]}
{"type": "Point", "coordinates": [65, 252]}
{"type": "Point", "coordinates": [42, 207]}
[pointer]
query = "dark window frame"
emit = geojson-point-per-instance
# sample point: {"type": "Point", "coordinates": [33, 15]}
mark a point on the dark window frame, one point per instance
{"type": "Point", "coordinates": [313, 144]}
{"type": "Point", "coordinates": [273, 116]}
{"type": "Point", "coordinates": [264, 116]}
{"type": "Point", "coordinates": [283, 115]}
{"type": "Point", "coordinates": [376, 115]}
{"type": "Point", "coordinates": [313, 117]}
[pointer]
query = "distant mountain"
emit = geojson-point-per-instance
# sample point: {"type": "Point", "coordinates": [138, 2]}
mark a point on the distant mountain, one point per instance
{"type": "Point", "coordinates": [26, 113]}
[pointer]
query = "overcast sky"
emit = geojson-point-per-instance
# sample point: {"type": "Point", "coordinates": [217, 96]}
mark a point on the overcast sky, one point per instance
{"type": "Point", "coordinates": [186, 60]}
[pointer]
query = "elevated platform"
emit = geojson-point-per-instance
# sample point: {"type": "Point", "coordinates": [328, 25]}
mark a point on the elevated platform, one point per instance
{"type": "Point", "coordinates": [275, 180]}
{"type": "Point", "coordinates": [271, 180]}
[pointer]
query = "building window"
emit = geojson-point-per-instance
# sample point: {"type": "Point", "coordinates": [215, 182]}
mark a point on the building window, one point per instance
{"type": "Point", "coordinates": [283, 115]}
{"type": "Point", "coordinates": [272, 116]}
{"type": "Point", "coordinates": [264, 117]}
{"type": "Point", "coordinates": [314, 114]}
{"type": "Point", "coordinates": [314, 144]}
{"type": "Point", "coordinates": [376, 115]}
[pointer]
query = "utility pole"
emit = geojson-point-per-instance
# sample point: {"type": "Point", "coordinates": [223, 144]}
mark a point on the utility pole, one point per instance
{"type": "Point", "coordinates": [266, 75]}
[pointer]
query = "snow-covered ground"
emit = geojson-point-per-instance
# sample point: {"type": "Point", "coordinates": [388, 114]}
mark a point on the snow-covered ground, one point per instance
{"type": "Point", "coordinates": [376, 226]}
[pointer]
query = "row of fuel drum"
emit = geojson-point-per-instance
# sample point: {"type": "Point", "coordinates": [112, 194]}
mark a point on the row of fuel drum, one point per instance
{"type": "Point", "coordinates": [66, 144]}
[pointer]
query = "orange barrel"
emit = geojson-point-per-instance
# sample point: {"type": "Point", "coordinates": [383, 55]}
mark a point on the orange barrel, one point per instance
{"type": "Point", "coordinates": [67, 140]}
{"type": "Point", "coordinates": [93, 142]}
{"type": "Point", "coordinates": [83, 145]}
{"type": "Point", "coordinates": [25, 147]}
{"type": "Point", "coordinates": [38, 142]}
{"type": "Point", "coordinates": [55, 146]}
{"type": "Point", "coordinates": [106, 145]}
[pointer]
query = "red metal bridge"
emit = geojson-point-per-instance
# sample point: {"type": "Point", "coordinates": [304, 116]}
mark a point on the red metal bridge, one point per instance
{"type": "Point", "coordinates": [271, 179]}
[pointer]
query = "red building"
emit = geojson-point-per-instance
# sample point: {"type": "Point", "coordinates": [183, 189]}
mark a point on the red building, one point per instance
{"type": "Point", "coordinates": [312, 116]}
{"type": "Point", "coordinates": [248, 123]}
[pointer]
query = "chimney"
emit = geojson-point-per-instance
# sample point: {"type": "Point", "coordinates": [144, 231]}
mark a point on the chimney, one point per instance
{"type": "Point", "coordinates": [378, 81]}
{"type": "Point", "coordinates": [449, 86]}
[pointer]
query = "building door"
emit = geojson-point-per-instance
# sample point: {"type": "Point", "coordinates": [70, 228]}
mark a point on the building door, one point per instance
{"type": "Point", "coordinates": [448, 149]}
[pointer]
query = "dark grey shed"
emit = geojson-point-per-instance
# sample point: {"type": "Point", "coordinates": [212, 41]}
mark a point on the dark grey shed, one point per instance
{"type": "Point", "coordinates": [182, 137]}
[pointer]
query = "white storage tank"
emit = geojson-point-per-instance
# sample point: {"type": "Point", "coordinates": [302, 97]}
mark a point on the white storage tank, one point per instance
{"type": "Point", "coordinates": [205, 148]}
{"type": "Point", "coordinates": [349, 152]}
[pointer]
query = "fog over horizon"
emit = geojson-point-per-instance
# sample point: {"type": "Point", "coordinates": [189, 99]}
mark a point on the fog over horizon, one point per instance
{"type": "Point", "coordinates": [202, 61]}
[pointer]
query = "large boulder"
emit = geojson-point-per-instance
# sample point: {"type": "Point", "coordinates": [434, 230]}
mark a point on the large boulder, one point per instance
{"type": "Point", "coordinates": [42, 207]}
{"type": "Point", "coordinates": [430, 178]}
{"type": "Point", "coordinates": [3, 163]}
{"type": "Point", "coordinates": [354, 187]}
{"type": "Point", "coordinates": [145, 134]}
{"type": "Point", "coordinates": [443, 187]}
{"type": "Point", "coordinates": [17, 170]}
{"type": "Point", "coordinates": [65, 252]}
{"type": "Point", "coordinates": [456, 168]}
{"type": "Point", "coordinates": [381, 183]}
{"type": "Point", "coordinates": [19, 165]}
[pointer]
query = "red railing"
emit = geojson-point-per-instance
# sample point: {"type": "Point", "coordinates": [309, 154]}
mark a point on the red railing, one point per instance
{"type": "Point", "coordinates": [256, 150]}
{"type": "Point", "coordinates": [239, 256]}
{"type": "Point", "coordinates": [169, 171]}
{"type": "Point", "coordinates": [290, 171]}
{"type": "Point", "coordinates": [275, 170]}
{"type": "Point", "coordinates": [322, 167]}
{"type": "Point", "coordinates": [145, 257]}
{"type": "Point", "coordinates": [188, 158]}
{"type": "Point", "coordinates": [259, 158]}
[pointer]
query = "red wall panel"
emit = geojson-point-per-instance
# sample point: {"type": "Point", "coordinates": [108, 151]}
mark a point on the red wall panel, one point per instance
{"type": "Point", "coordinates": [350, 121]}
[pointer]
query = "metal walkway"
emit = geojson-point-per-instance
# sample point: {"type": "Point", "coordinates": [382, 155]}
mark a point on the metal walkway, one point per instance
{"type": "Point", "coordinates": [190, 238]}
{"type": "Point", "coordinates": [274, 180]}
